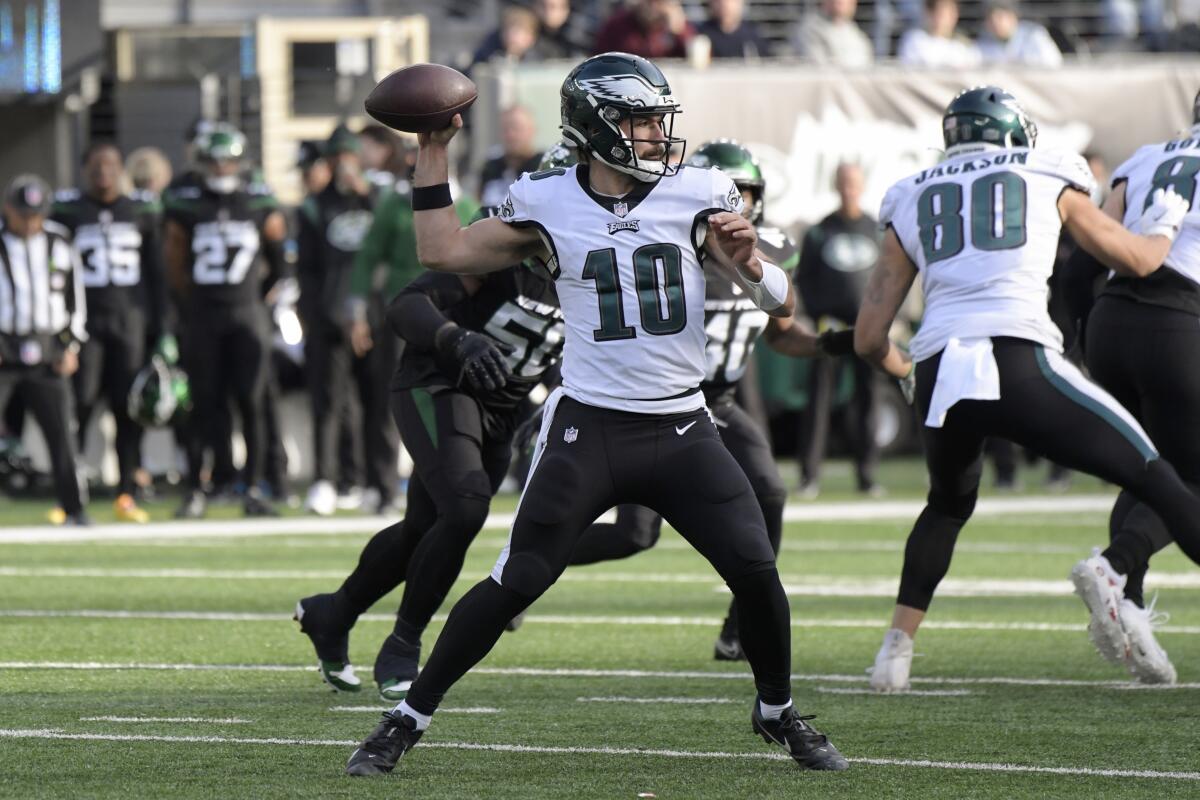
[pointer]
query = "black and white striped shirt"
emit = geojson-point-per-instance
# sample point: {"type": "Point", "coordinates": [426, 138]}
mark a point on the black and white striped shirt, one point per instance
{"type": "Point", "coordinates": [41, 285]}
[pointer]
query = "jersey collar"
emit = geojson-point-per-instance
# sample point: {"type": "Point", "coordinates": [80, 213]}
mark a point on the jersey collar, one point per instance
{"type": "Point", "coordinates": [629, 200]}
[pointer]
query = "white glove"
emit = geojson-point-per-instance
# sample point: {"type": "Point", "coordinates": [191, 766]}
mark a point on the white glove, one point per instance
{"type": "Point", "coordinates": [1165, 214]}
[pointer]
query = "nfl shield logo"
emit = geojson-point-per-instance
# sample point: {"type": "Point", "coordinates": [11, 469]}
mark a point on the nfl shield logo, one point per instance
{"type": "Point", "coordinates": [621, 209]}
{"type": "Point", "coordinates": [570, 435]}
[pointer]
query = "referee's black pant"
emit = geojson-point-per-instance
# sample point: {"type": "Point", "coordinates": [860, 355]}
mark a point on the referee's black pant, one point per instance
{"type": "Point", "coordinates": [46, 394]}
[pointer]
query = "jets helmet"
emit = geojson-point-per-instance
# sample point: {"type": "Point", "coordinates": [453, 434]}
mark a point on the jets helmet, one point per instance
{"type": "Point", "coordinates": [159, 394]}
{"type": "Point", "coordinates": [601, 93]}
{"type": "Point", "coordinates": [221, 143]}
{"type": "Point", "coordinates": [561, 155]}
{"type": "Point", "coordinates": [732, 158]}
{"type": "Point", "coordinates": [987, 115]}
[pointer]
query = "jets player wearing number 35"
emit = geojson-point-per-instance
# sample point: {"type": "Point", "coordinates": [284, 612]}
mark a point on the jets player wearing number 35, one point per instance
{"type": "Point", "coordinates": [626, 236]}
{"type": "Point", "coordinates": [981, 228]}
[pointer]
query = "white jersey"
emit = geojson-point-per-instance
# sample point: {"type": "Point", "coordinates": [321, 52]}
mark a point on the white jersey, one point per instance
{"type": "Point", "coordinates": [629, 276]}
{"type": "Point", "coordinates": [1174, 164]}
{"type": "Point", "coordinates": [983, 230]}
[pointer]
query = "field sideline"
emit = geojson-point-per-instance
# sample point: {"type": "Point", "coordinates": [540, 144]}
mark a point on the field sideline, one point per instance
{"type": "Point", "coordinates": [165, 664]}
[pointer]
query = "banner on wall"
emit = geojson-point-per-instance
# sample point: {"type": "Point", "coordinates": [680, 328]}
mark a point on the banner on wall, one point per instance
{"type": "Point", "coordinates": [802, 122]}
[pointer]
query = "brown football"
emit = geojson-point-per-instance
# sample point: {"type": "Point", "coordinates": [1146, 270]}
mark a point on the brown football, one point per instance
{"type": "Point", "coordinates": [421, 98]}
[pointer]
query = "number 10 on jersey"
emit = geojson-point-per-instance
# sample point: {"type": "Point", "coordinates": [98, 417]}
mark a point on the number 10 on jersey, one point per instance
{"type": "Point", "coordinates": [658, 281]}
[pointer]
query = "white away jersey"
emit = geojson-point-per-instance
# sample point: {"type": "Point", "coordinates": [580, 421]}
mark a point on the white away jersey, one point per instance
{"type": "Point", "coordinates": [983, 230]}
{"type": "Point", "coordinates": [1172, 164]}
{"type": "Point", "coordinates": [630, 280]}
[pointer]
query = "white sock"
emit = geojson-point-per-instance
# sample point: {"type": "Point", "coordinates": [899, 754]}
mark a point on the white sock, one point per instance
{"type": "Point", "coordinates": [406, 710]}
{"type": "Point", "coordinates": [772, 712]}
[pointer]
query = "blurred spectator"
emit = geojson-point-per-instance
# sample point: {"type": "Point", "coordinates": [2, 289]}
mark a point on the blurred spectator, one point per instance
{"type": "Point", "coordinates": [647, 28]}
{"type": "Point", "coordinates": [518, 154]}
{"type": "Point", "coordinates": [314, 170]}
{"type": "Point", "coordinates": [836, 259]}
{"type": "Point", "coordinates": [1007, 39]}
{"type": "Point", "coordinates": [731, 35]}
{"type": "Point", "coordinates": [832, 37]}
{"type": "Point", "coordinates": [386, 159]}
{"type": "Point", "coordinates": [148, 170]}
{"type": "Point", "coordinates": [1119, 18]}
{"type": "Point", "coordinates": [513, 41]}
{"type": "Point", "coordinates": [938, 44]}
{"type": "Point", "coordinates": [558, 35]}
{"type": "Point", "coordinates": [41, 330]}
{"type": "Point", "coordinates": [333, 224]}
{"type": "Point", "coordinates": [892, 18]}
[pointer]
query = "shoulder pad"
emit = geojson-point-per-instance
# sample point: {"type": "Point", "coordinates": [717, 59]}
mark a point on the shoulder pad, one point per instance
{"type": "Point", "coordinates": [891, 202]}
{"type": "Point", "coordinates": [1070, 167]}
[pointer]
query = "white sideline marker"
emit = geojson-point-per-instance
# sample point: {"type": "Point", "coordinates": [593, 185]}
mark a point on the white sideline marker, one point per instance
{"type": "Point", "coordinates": [571, 619]}
{"type": "Point", "coordinates": [45, 733]}
{"type": "Point", "coordinates": [206, 720]}
{"type": "Point", "coordinates": [381, 709]}
{"type": "Point", "coordinates": [566, 672]}
{"type": "Point", "coordinates": [683, 701]}
{"type": "Point", "coordinates": [905, 693]}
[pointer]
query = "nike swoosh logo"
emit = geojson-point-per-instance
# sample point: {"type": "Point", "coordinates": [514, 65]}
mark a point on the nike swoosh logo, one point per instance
{"type": "Point", "coordinates": [684, 429]}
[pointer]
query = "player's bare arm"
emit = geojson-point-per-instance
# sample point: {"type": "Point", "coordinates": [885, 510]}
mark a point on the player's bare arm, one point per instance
{"type": "Point", "coordinates": [175, 256]}
{"type": "Point", "coordinates": [889, 285]}
{"type": "Point", "coordinates": [1116, 247]}
{"type": "Point", "coordinates": [442, 243]}
{"type": "Point", "coordinates": [731, 241]}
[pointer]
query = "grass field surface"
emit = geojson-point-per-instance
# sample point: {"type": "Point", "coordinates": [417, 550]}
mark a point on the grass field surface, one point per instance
{"type": "Point", "coordinates": [167, 665]}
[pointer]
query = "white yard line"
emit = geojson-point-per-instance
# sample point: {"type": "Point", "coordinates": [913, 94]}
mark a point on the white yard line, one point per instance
{"type": "Point", "coordinates": [571, 619]}
{"type": "Point", "coordinates": [314, 526]}
{"type": "Point", "coordinates": [570, 672]}
{"type": "Point", "coordinates": [906, 693]}
{"type": "Point", "coordinates": [206, 720]}
{"type": "Point", "coordinates": [19, 733]}
{"type": "Point", "coordinates": [682, 701]}
{"type": "Point", "coordinates": [451, 710]}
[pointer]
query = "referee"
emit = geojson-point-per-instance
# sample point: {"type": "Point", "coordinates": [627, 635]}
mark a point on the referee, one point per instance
{"type": "Point", "coordinates": [42, 318]}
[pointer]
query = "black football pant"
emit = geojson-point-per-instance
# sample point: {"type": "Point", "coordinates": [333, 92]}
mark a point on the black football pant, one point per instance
{"type": "Point", "coordinates": [1148, 357]}
{"type": "Point", "coordinates": [381, 439]}
{"type": "Point", "coordinates": [47, 395]}
{"type": "Point", "coordinates": [336, 411]}
{"type": "Point", "coordinates": [275, 461]}
{"type": "Point", "coordinates": [457, 469]}
{"type": "Point", "coordinates": [1047, 405]}
{"type": "Point", "coordinates": [588, 460]}
{"type": "Point", "coordinates": [637, 527]}
{"type": "Point", "coordinates": [824, 376]}
{"type": "Point", "coordinates": [109, 361]}
{"type": "Point", "coordinates": [226, 358]}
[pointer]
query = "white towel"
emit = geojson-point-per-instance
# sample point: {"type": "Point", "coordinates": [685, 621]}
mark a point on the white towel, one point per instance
{"type": "Point", "coordinates": [968, 371]}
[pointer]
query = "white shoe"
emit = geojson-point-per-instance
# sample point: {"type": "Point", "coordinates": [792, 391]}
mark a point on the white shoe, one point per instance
{"type": "Point", "coordinates": [893, 663]}
{"type": "Point", "coordinates": [322, 498]}
{"type": "Point", "coordinates": [350, 500]}
{"type": "Point", "coordinates": [1148, 662]}
{"type": "Point", "coordinates": [1101, 589]}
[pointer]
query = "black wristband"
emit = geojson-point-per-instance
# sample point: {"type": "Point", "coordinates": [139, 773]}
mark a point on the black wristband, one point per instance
{"type": "Point", "coordinates": [428, 198]}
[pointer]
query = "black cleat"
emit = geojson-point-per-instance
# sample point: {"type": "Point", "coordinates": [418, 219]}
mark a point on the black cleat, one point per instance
{"type": "Point", "coordinates": [396, 667]}
{"type": "Point", "coordinates": [195, 504]}
{"type": "Point", "coordinates": [330, 637]}
{"type": "Point", "coordinates": [254, 505]}
{"type": "Point", "coordinates": [380, 751]}
{"type": "Point", "coordinates": [728, 647]}
{"type": "Point", "coordinates": [810, 748]}
{"type": "Point", "coordinates": [515, 623]}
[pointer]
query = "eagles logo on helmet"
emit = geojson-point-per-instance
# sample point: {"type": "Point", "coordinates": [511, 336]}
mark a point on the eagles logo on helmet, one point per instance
{"type": "Point", "coordinates": [986, 116]}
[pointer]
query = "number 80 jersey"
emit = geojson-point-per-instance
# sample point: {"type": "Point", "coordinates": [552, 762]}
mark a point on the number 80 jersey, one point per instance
{"type": "Point", "coordinates": [630, 280]}
{"type": "Point", "coordinates": [983, 230]}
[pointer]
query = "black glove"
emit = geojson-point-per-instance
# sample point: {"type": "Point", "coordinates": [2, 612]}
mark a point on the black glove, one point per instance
{"type": "Point", "coordinates": [480, 358]}
{"type": "Point", "coordinates": [837, 343]}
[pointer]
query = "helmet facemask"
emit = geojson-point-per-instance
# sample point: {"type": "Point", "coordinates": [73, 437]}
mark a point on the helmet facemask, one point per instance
{"type": "Point", "coordinates": [621, 151]}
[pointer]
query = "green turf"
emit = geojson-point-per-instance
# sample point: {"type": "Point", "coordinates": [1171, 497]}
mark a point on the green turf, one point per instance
{"type": "Point", "coordinates": [1089, 727]}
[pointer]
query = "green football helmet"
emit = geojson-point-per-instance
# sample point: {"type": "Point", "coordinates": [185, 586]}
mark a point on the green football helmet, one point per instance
{"type": "Point", "coordinates": [605, 90]}
{"type": "Point", "coordinates": [561, 155]}
{"type": "Point", "coordinates": [732, 158]}
{"type": "Point", "coordinates": [221, 142]}
{"type": "Point", "coordinates": [987, 115]}
{"type": "Point", "coordinates": [160, 394]}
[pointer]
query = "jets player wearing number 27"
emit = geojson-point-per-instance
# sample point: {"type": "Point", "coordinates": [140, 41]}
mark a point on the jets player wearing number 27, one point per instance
{"type": "Point", "coordinates": [626, 236]}
{"type": "Point", "coordinates": [982, 228]}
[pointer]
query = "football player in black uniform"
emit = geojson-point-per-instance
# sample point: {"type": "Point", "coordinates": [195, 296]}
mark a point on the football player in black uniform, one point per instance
{"type": "Point", "coordinates": [475, 346]}
{"type": "Point", "coordinates": [733, 324]}
{"type": "Point", "coordinates": [223, 248]}
{"type": "Point", "coordinates": [117, 238]}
